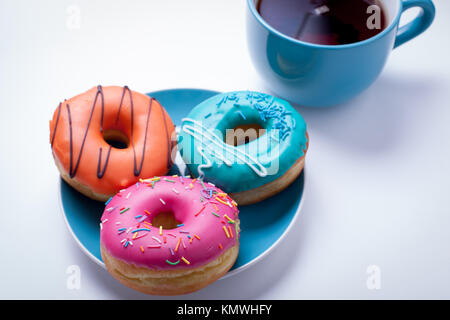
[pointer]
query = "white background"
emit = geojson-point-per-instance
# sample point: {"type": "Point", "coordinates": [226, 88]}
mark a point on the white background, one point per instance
{"type": "Point", "coordinates": [378, 169]}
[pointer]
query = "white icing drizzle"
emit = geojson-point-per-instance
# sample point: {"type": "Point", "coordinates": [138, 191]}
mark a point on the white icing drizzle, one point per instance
{"type": "Point", "coordinates": [205, 133]}
{"type": "Point", "coordinates": [207, 165]}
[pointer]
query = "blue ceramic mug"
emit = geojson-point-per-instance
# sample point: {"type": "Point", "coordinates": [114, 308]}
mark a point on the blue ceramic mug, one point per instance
{"type": "Point", "coordinates": [323, 75]}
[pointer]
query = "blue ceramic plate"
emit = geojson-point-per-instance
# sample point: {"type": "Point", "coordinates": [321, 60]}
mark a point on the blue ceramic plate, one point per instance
{"type": "Point", "coordinates": [263, 224]}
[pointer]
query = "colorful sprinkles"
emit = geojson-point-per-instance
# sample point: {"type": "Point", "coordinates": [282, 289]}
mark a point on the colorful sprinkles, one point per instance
{"type": "Point", "coordinates": [124, 210]}
{"type": "Point", "coordinates": [241, 114]}
{"type": "Point", "coordinates": [226, 231]}
{"type": "Point", "coordinates": [138, 228]}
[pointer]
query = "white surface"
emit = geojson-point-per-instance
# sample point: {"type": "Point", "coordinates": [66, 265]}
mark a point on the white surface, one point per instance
{"type": "Point", "coordinates": [378, 167]}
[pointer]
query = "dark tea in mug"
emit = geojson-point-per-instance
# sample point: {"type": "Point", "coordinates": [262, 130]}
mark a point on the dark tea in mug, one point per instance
{"type": "Point", "coordinates": [326, 22]}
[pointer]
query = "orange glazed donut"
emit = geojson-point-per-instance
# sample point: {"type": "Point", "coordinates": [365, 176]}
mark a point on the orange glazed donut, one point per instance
{"type": "Point", "coordinates": [108, 138]}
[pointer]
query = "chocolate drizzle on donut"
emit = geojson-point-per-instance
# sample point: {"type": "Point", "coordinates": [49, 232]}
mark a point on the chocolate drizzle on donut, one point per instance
{"type": "Point", "coordinates": [101, 171]}
{"type": "Point", "coordinates": [56, 125]}
{"type": "Point", "coordinates": [73, 171]}
{"type": "Point", "coordinates": [136, 170]}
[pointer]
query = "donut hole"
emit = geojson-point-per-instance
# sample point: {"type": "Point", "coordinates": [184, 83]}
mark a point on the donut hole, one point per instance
{"type": "Point", "coordinates": [243, 134]}
{"type": "Point", "coordinates": [166, 220]}
{"type": "Point", "coordinates": [116, 138]}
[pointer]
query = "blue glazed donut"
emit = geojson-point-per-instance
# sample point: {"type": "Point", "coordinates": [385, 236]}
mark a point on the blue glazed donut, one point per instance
{"type": "Point", "coordinates": [250, 144]}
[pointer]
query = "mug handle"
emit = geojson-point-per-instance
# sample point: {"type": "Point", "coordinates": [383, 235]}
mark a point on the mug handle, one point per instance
{"type": "Point", "coordinates": [419, 24]}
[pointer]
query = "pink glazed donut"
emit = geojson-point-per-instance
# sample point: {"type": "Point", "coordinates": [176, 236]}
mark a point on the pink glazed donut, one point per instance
{"type": "Point", "coordinates": [169, 235]}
